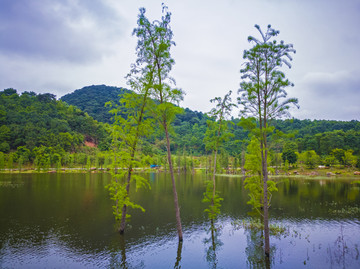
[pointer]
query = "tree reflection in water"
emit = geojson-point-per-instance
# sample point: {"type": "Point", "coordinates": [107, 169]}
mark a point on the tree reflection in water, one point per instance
{"type": "Point", "coordinates": [178, 256]}
{"type": "Point", "coordinates": [214, 243]}
{"type": "Point", "coordinates": [118, 258]}
{"type": "Point", "coordinates": [254, 251]}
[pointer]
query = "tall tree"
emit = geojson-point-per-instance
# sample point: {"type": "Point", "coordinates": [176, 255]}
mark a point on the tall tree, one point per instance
{"type": "Point", "coordinates": [262, 93]}
{"type": "Point", "coordinates": [136, 123]}
{"type": "Point", "coordinates": [155, 63]}
{"type": "Point", "coordinates": [127, 134]}
{"type": "Point", "coordinates": [216, 134]}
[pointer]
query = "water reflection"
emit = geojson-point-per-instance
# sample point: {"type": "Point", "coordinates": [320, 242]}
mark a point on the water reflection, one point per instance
{"type": "Point", "coordinates": [178, 256]}
{"type": "Point", "coordinates": [254, 250]}
{"type": "Point", "coordinates": [213, 244]}
{"type": "Point", "coordinates": [342, 252]}
{"type": "Point", "coordinates": [118, 258]}
{"type": "Point", "coordinates": [63, 220]}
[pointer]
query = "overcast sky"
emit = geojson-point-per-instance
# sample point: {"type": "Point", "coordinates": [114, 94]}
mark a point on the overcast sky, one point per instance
{"type": "Point", "coordinates": [59, 46]}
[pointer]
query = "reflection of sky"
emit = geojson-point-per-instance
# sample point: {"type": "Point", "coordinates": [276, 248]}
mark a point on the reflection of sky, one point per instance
{"type": "Point", "coordinates": [51, 225]}
{"type": "Point", "coordinates": [310, 243]}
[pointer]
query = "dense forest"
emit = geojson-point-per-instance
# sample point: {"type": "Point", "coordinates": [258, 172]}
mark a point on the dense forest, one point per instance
{"type": "Point", "coordinates": [92, 100]}
{"type": "Point", "coordinates": [39, 127]}
{"type": "Point", "coordinates": [32, 124]}
{"type": "Point", "coordinates": [320, 135]}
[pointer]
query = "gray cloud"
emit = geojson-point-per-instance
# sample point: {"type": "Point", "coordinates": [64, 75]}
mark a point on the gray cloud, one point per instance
{"type": "Point", "coordinates": [329, 95]}
{"type": "Point", "coordinates": [62, 45]}
{"type": "Point", "coordinates": [57, 30]}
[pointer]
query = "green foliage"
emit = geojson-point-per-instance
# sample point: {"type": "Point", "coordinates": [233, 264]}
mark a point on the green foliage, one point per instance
{"type": "Point", "coordinates": [92, 100]}
{"type": "Point", "coordinates": [349, 159]}
{"type": "Point", "coordinates": [262, 77]}
{"type": "Point", "coordinates": [119, 195]}
{"type": "Point", "coordinates": [32, 120]}
{"type": "Point", "coordinates": [289, 152]}
{"type": "Point", "coordinates": [217, 132]}
{"type": "Point", "coordinates": [214, 201]}
{"type": "Point", "coordinates": [320, 135]}
{"type": "Point", "coordinates": [88, 163]}
{"type": "Point", "coordinates": [4, 147]}
{"type": "Point", "coordinates": [10, 161]}
{"type": "Point", "coordinates": [254, 183]}
{"type": "Point", "coordinates": [118, 186]}
{"type": "Point", "coordinates": [344, 157]}
{"type": "Point", "coordinates": [339, 154]}
{"type": "Point", "coordinates": [309, 158]}
{"type": "Point", "coordinates": [2, 160]}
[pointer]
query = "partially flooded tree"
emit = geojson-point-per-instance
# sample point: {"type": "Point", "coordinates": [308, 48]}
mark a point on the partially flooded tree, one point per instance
{"type": "Point", "coordinates": [216, 134]}
{"type": "Point", "coordinates": [127, 131]}
{"type": "Point", "coordinates": [263, 96]}
{"type": "Point", "coordinates": [154, 43]}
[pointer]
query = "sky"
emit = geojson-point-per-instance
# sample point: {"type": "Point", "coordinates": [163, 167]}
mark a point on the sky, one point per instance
{"type": "Point", "coordinates": [58, 46]}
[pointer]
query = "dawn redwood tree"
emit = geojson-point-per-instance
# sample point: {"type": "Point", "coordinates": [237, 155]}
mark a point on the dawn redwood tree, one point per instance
{"type": "Point", "coordinates": [216, 134]}
{"type": "Point", "coordinates": [155, 63]}
{"type": "Point", "coordinates": [263, 96]}
{"type": "Point", "coordinates": [126, 135]}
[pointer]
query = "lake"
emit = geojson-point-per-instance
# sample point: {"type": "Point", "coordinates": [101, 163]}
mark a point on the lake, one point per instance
{"type": "Point", "coordinates": [65, 221]}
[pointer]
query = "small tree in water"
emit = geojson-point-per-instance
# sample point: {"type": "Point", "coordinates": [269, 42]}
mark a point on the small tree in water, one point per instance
{"type": "Point", "coordinates": [261, 90]}
{"type": "Point", "coordinates": [127, 132]}
{"type": "Point", "coordinates": [216, 134]}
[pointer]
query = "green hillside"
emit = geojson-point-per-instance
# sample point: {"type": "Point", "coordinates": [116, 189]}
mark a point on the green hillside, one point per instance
{"type": "Point", "coordinates": [92, 99]}
{"type": "Point", "coordinates": [320, 135]}
{"type": "Point", "coordinates": [32, 120]}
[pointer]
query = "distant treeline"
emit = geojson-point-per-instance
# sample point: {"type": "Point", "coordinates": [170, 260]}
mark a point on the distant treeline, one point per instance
{"type": "Point", "coordinates": [32, 121]}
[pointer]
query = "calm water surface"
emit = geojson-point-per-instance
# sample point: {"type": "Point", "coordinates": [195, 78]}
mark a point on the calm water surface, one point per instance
{"type": "Point", "coordinates": [65, 221]}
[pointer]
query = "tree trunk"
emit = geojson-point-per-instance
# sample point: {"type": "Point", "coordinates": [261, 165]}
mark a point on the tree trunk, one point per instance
{"type": "Point", "coordinates": [265, 202]}
{"type": "Point", "coordinates": [124, 209]}
{"type": "Point", "coordinates": [176, 202]}
{"type": "Point", "coordinates": [214, 171]}
{"type": "Point", "coordinates": [266, 218]}
{"type": "Point", "coordinates": [178, 256]}
{"type": "Point", "coordinates": [133, 150]}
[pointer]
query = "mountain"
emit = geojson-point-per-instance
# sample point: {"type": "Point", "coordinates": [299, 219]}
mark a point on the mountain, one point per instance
{"type": "Point", "coordinates": [320, 135]}
{"type": "Point", "coordinates": [190, 126]}
{"type": "Point", "coordinates": [92, 99]}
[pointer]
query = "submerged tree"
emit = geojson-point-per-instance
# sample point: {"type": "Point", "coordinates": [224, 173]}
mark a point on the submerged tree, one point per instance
{"type": "Point", "coordinates": [127, 131]}
{"type": "Point", "coordinates": [263, 96]}
{"type": "Point", "coordinates": [126, 138]}
{"type": "Point", "coordinates": [216, 134]}
{"type": "Point", "coordinates": [254, 179]}
{"type": "Point", "coordinates": [155, 63]}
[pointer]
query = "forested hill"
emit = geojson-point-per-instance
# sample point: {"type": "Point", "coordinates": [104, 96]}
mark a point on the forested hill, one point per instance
{"type": "Point", "coordinates": [33, 120]}
{"type": "Point", "coordinates": [92, 99]}
{"type": "Point", "coordinates": [319, 135]}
